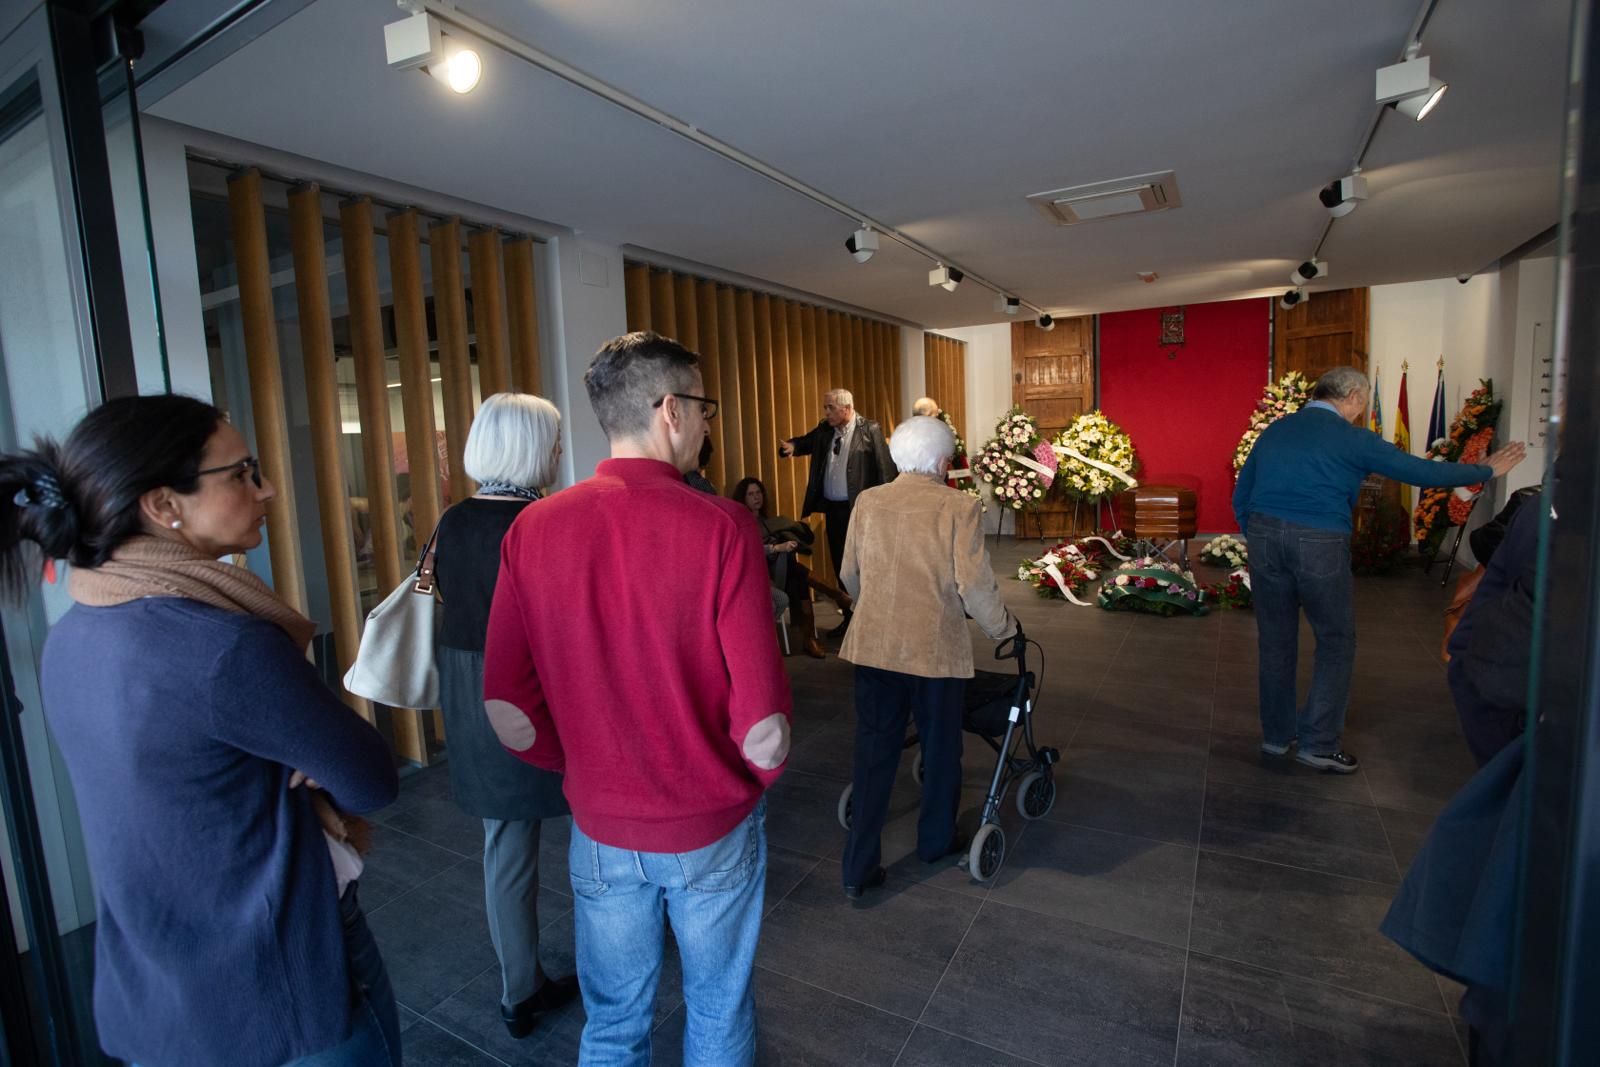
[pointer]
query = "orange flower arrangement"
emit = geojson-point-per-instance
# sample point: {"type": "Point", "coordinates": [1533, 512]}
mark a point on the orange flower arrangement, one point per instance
{"type": "Point", "coordinates": [1471, 434]}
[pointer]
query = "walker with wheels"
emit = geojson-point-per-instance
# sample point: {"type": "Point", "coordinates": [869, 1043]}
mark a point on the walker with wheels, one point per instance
{"type": "Point", "coordinates": [998, 709]}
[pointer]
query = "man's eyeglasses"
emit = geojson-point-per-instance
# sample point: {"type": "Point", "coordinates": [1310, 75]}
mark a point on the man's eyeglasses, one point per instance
{"type": "Point", "coordinates": [708, 407]}
{"type": "Point", "coordinates": [248, 463]}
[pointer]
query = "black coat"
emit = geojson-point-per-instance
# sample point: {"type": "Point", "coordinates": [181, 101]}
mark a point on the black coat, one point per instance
{"type": "Point", "coordinates": [868, 463]}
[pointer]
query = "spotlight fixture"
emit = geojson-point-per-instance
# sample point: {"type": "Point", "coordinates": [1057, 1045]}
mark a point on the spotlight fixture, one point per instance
{"type": "Point", "coordinates": [1292, 298]}
{"type": "Point", "coordinates": [1409, 86]}
{"type": "Point", "coordinates": [418, 42]}
{"type": "Point", "coordinates": [862, 244]}
{"type": "Point", "coordinates": [1046, 323]}
{"type": "Point", "coordinates": [1311, 268]}
{"type": "Point", "coordinates": [1418, 107]}
{"type": "Point", "coordinates": [1008, 304]}
{"type": "Point", "coordinates": [948, 277]}
{"type": "Point", "coordinates": [1340, 196]}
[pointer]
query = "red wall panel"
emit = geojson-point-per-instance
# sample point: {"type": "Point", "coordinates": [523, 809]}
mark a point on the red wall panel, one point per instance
{"type": "Point", "coordinates": [1186, 414]}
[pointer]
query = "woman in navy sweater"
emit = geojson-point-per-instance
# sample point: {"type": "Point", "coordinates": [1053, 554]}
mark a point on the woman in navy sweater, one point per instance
{"type": "Point", "coordinates": [214, 772]}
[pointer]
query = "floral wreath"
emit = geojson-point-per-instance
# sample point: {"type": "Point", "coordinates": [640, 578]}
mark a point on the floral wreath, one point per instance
{"type": "Point", "coordinates": [1096, 458]}
{"type": "Point", "coordinates": [1153, 584]}
{"type": "Point", "coordinates": [1233, 593]}
{"type": "Point", "coordinates": [961, 474]}
{"type": "Point", "coordinates": [1065, 571]}
{"type": "Point", "coordinates": [1225, 550]}
{"type": "Point", "coordinates": [1016, 484]}
{"type": "Point", "coordinates": [1471, 434]}
{"type": "Point", "coordinates": [1288, 395]}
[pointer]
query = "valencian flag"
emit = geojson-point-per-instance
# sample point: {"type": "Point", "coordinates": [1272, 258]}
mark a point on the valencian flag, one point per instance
{"type": "Point", "coordinates": [1402, 441]}
{"type": "Point", "coordinates": [1437, 426]}
{"type": "Point", "coordinates": [1375, 413]}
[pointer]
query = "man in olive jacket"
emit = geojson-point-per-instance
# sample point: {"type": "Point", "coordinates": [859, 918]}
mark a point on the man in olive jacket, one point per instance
{"type": "Point", "coordinates": [848, 454]}
{"type": "Point", "coordinates": [916, 563]}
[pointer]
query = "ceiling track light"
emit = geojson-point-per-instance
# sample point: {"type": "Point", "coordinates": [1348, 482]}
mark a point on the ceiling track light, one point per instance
{"type": "Point", "coordinates": [1409, 86]}
{"type": "Point", "coordinates": [1010, 305]}
{"type": "Point", "coordinates": [1311, 268]}
{"type": "Point", "coordinates": [946, 277]}
{"type": "Point", "coordinates": [1293, 298]}
{"type": "Point", "coordinates": [1046, 322]}
{"type": "Point", "coordinates": [862, 244]}
{"type": "Point", "coordinates": [1341, 195]}
{"type": "Point", "coordinates": [418, 42]}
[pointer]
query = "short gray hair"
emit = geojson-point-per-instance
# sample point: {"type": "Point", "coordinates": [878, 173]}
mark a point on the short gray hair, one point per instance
{"type": "Point", "coordinates": [513, 440]}
{"type": "Point", "coordinates": [841, 397]}
{"type": "Point", "coordinates": [925, 405]}
{"type": "Point", "coordinates": [1339, 383]}
{"type": "Point", "coordinates": [921, 445]}
{"type": "Point", "coordinates": [630, 374]}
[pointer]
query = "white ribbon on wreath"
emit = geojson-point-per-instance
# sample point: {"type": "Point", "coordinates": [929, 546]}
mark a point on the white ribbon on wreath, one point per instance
{"type": "Point", "coordinates": [1061, 450]}
{"type": "Point", "coordinates": [1061, 583]}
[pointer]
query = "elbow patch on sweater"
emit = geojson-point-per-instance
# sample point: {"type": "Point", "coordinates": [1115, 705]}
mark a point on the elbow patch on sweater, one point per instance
{"type": "Point", "coordinates": [513, 728]}
{"type": "Point", "coordinates": [767, 744]}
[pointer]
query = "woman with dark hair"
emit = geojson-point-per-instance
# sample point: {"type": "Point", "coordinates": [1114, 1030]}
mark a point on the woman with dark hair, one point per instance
{"type": "Point", "coordinates": [783, 538]}
{"type": "Point", "coordinates": [210, 763]}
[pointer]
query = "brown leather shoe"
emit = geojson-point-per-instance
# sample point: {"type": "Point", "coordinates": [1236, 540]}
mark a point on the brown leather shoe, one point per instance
{"type": "Point", "coordinates": [813, 648]}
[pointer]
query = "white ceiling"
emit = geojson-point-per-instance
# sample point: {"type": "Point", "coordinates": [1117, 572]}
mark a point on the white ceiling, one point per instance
{"type": "Point", "coordinates": [939, 117]}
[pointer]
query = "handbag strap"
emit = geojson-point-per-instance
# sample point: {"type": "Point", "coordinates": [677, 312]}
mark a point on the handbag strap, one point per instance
{"type": "Point", "coordinates": [425, 563]}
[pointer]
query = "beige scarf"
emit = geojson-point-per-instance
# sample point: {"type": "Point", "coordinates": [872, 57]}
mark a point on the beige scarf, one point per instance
{"type": "Point", "coordinates": [146, 566]}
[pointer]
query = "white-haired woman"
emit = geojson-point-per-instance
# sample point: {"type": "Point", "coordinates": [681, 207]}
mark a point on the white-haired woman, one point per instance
{"type": "Point", "coordinates": [915, 562]}
{"type": "Point", "coordinates": [511, 453]}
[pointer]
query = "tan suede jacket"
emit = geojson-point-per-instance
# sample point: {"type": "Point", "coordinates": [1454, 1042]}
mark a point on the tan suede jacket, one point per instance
{"type": "Point", "coordinates": [915, 563]}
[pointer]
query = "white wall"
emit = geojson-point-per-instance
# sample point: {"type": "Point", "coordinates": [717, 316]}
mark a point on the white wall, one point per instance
{"type": "Point", "coordinates": [585, 307]}
{"type": "Point", "coordinates": [988, 385]}
{"type": "Point", "coordinates": [1483, 329]}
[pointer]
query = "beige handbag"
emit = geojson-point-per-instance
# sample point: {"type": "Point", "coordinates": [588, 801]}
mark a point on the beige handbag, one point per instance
{"type": "Point", "coordinates": [395, 664]}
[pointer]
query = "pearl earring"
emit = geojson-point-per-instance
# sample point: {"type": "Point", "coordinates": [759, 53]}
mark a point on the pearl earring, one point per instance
{"type": "Point", "coordinates": [176, 523]}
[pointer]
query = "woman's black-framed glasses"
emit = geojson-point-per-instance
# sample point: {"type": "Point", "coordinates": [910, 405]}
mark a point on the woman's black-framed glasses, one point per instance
{"type": "Point", "coordinates": [248, 463]}
{"type": "Point", "coordinates": [708, 407]}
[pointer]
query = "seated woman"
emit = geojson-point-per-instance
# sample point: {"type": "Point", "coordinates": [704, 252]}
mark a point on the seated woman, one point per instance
{"type": "Point", "coordinates": [782, 538]}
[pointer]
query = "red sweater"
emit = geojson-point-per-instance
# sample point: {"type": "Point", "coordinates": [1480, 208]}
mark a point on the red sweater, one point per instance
{"type": "Point", "coordinates": [632, 628]}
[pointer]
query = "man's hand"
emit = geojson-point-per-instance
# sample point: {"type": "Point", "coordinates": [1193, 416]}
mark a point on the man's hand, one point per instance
{"type": "Point", "coordinates": [786, 448]}
{"type": "Point", "coordinates": [298, 778]}
{"type": "Point", "coordinates": [787, 546]}
{"type": "Point", "coordinates": [1507, 458]}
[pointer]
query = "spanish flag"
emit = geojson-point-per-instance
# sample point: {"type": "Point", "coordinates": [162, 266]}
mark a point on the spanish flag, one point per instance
{"type": "Point", "coordinates": [1375, 413]}
{"type": "Point", "coordinates": [1402, 441]}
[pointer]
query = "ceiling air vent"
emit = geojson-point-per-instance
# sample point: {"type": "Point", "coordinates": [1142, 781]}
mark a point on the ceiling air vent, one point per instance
{"type": "Point", "coordinates": [1137, 195]}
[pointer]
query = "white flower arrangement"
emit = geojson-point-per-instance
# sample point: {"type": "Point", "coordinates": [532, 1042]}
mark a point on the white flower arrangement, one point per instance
{"type": "Point", "coordinates": [1098, 438]}
{"type": "Point", "coordinates": [1225, 550]}
{"type": "Point", "coordinates": [1014, 485]}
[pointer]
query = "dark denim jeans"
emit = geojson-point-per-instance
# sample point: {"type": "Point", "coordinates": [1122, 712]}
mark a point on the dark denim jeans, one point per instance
{"type": "Point", "coordinates": [1293, 568]}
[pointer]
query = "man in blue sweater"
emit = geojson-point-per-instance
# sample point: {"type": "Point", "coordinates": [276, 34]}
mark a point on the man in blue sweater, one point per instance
{"type": "Point", "coordinates": [1293, 501]}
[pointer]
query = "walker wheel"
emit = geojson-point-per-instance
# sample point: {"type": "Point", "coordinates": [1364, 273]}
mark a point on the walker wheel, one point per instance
{"type": "Point", "coordinates": [916, 768]}
{"type": "Point", "coordinates": [987, 852]}
{"type": "Point", "coordinates": [1036, 794]}
{"type": "Point", "coordinates": [846, 808]}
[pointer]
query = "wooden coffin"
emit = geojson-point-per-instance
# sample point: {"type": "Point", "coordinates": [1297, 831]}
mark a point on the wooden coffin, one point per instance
{"type": "Point", "coordinates": [1158, 511]}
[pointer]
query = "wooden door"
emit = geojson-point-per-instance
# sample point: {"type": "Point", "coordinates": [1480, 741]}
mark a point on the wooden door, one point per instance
{"type": "Point", "coordinates": [1327, 331]}
{"type": "Point", "coordinates": [1052, 379]}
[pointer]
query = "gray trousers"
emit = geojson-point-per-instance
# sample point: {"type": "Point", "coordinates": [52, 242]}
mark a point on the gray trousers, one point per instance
{"type": "Point", "coordinates": [511, 891]}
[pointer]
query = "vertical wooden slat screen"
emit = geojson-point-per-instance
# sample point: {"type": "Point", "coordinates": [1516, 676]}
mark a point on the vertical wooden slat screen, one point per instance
{"type": "Point", "coordinates": [416, 385]}
{"type": "Point", "coordinates": [944, 363]}
{"type": "Point", "coordinates": [372, 400]}
{"type": "Point", "coordinates": [729, 359]}
{"type": "Point", "coordinates": [249, 221]}
{"type": "Point", "coordinates": [749, 428]}
{"type": "Point", "coordinates": [522, 314]}
{"type": "Point", "coordinates": [833, 360]}
{"type": "Point", "coordinates": [455, 361]}
{"type": "Point", "coordinates": [705, 312]}
{"type": "Point", "coordinates": [886, 397]}
{"type": "Point", "coordinates": [636, 291]}
{"type": "Point", "coordinates": [786, 502]}
{"type": "Point", "coordinates": [903, 401]}
{"type": "Point", "coordinates": [488, 312]}
{"type": "Point", "coordinates": [322, 400]}
{"type": "Point", "coordinates": [663, 306]}
{"type": "Point", "coordinates": [763, 409]}
{"type": "Point", "coordinates": [799, 389]}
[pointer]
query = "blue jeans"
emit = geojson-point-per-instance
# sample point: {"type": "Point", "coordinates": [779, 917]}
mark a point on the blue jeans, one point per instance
{"type": "Point", "coordinates": [1293, 568]}
{"type": "Point", "coordinates": [713, 897]}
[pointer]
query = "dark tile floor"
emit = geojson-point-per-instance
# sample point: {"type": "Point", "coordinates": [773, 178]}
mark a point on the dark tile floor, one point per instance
{"type": "Point", "coordinates": [1187, 901]}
